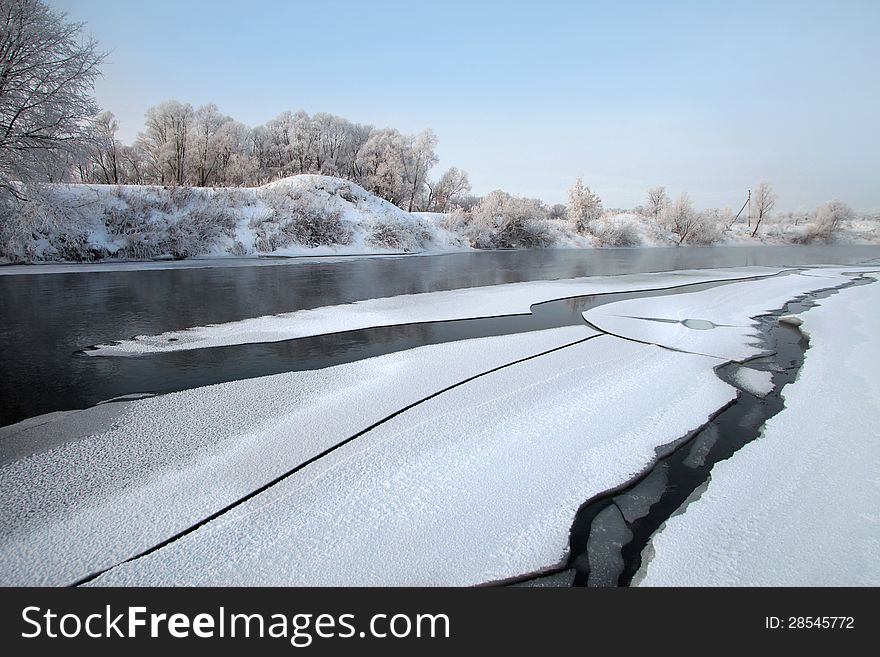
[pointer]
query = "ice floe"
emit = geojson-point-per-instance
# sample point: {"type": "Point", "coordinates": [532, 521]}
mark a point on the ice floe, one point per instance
{"type": "Point", "coordinates": [486, 301]}
{"type": "Point", "coordinates": [756, 382]}
{"type": "Point", "coordinates": [131, 474]}
{"type": "Point", "coordinates": [799, 506]}
{"type": "Point", "coordinates": [728, 308]}
{"type": "Point", "coordinates": [478, 484]}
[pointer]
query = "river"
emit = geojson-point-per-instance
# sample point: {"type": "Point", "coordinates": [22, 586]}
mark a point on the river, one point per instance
{"type": "Point", "coordinates": [48, 317]}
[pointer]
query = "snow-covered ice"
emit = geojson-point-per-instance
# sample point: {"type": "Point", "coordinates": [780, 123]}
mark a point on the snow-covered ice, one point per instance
{"type": "Point", "coordinates": [800, 506]}
{"type": "Point", "coordinates": [486, 301]}
{"type": "Point", "coordinates": [659, 320]}
{"type": "Point", "coordinates": [756, 382]}
{"type": "Point", "coordinates": [480, 483]}
{"type": "Point", "coordinates": [127, 475]}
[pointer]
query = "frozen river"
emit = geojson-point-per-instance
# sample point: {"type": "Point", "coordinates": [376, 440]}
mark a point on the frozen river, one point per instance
{"type": "Point", "coordinates": [48, 317]}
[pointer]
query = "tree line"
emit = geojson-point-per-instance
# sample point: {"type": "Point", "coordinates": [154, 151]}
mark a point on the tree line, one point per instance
{"type": "Point", "coordinates": [51, 130]}
{"type": "Point", "coordinates": [202, 147]}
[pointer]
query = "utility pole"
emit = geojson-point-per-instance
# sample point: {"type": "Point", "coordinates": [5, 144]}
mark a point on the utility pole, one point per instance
{"type": "Point", "coordinates": [749, 201]}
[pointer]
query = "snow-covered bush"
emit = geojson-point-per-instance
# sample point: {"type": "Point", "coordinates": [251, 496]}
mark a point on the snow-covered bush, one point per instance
{"type": "Point", "coordinates": [502, 221]}
{"type": "Point", "coordinates": [558, 212]}
{"type": "Point", "coordinates": [393, 233]}
{"type": "Point", "coordinates": [691, 226]}
{"type": "Point", "coordinates": [43, 225]}
{"type": "Point", "coordinates": [294, 217]}
{"type": "Point", "coordinates": [182, 222]}
{"type": "Point", "coordinates": [708, 228]}
{"type": "Point", "coordinates": [622, 233]}
{"type": "Point", "coordinates": [199, 230]}
{"type": "Point", "coordinates": [829, 220]}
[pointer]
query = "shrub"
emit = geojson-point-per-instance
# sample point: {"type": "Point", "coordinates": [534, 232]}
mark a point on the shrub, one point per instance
{"type": "Point", "coordinates": [617, 233]}
{"type": "Point", "coordinates": [297, 218]}
{"type": "Point", "coordinates": [411, 234]}
{"type": "Point", "coordinates": [502, 221]}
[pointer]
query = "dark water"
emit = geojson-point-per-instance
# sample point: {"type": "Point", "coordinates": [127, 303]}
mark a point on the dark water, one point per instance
{"type": "Point", "coordinates": [46, 318]}
{"type": "Point", "coordinates": [611, 531]}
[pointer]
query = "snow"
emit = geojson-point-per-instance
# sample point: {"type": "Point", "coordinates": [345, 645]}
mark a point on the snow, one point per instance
{"type": "Point", "coordinates": [110, 481]}
{"type": "Point", "coordinates": [753, 381]}
{"type": "Point", "coordinates": [487, 301]}
{"type": "Point", "coordinates": [660, 320]}
{"type": "Point", "coordinates": [287, 217]}
{"type": "Point", "coordinates": [89, 222]}
{"type": "Point", "coordinates": [478, 484]}
{"type": "Point", "coordinates": [799, 506]}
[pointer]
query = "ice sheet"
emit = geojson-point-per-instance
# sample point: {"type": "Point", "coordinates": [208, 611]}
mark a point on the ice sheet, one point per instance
{"type": "Point", "coordinates": [799, 506]}
{"type": "Point", "coordinates": [659, 320]}
{"type": "Point", "coordinates": [487, 301]}
{"type": "Point", "coordinates": [481, 483]}
{"type": "Point", "coordinates": [756, 382]}
{"type": "Point", "coordinates": [169, 461]}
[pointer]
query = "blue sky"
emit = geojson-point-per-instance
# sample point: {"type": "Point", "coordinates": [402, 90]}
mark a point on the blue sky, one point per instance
{"type": "Point", "coordinates": [706, 97]}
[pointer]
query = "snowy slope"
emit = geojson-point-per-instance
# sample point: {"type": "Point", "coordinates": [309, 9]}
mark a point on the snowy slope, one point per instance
{"type": "Point", "coordinates": [799, 506]}
{"type": "Point", "coordinates": [299, 215]}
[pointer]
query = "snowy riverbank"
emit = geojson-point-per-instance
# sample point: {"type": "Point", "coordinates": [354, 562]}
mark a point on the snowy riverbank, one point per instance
{"type": "Point", "coordinates": [313, 215]}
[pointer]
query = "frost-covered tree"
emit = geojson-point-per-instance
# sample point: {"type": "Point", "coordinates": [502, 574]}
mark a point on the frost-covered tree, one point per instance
{"type": "Point", "coordinates": [47, 74]}
{"type": "Point", "coordinates": [395, 166]}
{"type": "Point", "coordinates": [443, 194]}
{"type": "Point", "coordinates": [683, 217]}
{"type": "Point", "coordinates": [381, 165]}
{"type": "Point", "coordinates": [829, 220]}
{"type": "Point", "coordinates": [236, 165]}
{"type": "Point", "coordinates": [133, 164]}
{"type": "Point", "coordinates": [558, 211]}
{"type": "Point", "coordinates": [658, 201]}
{"type": "Point", "coordinates": [204, 146]}
{"type": "Point", "coordinates": [418, 160]}
{"type": "Point", "coordinates": [164, 141]}
{"type": "Point", "coordinates": [763, 201]}
{"type": "Point", "coordinates": [584, 207]}
{"type": "Point", "coordinates": [104, 163]}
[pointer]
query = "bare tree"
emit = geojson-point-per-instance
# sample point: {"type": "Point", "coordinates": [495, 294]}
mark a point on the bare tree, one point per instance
{"type": "Point", "coordinates": [683, 216]}
{"type": "Point", "coordinates": [829, 219]}
{"type": "Point", "coordinates": [443, 193]}
{"type": "Point", "coordinates": [104, 163]}
{"type": "Point", "coordinates": [47, 77]}
{"type": "Point", "coordinates": [657, 201]}
{"type": "Point", "coordinates": [164, 141]}
{"type": "Point", "coordinates": [764, 199]}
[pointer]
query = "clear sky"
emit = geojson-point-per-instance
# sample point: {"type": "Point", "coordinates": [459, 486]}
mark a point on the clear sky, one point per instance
{"type": "Point", "coordinates": [707, 97]}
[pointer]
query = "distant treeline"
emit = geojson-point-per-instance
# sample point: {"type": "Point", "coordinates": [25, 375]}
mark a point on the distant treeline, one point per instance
{"type": "Point", "coordinates": [202, 147]}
